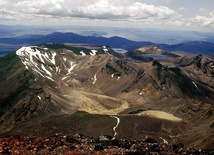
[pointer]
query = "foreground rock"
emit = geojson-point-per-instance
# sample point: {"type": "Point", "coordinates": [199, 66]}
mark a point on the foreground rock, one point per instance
{"type": "Point", "coordinates": [79, 144]}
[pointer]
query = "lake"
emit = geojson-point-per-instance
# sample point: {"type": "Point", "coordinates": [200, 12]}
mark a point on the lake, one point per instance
{"type": "Point", "coordinates": [155, 56]}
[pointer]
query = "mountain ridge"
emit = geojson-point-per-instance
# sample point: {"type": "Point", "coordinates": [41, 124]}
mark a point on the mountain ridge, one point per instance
{"type": "Point", "coordinates": [198, 47]}
{"type": "Point", "coordinates": [39, 83]}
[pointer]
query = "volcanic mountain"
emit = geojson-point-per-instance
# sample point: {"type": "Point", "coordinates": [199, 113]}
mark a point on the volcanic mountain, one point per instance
{"type": "Point", "coordinates": [76, 88]}
{"type": "Point", "coordinates": [147, 53]}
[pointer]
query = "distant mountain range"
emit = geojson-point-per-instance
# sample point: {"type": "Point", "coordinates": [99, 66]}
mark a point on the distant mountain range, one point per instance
{"type": "Point", "coordinates": [12, 43]}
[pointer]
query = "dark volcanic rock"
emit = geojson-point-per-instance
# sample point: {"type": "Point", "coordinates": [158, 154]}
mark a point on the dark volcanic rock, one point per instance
{"type": "Point", "coordinates": [212, 125]}
{"type": "Point", "coordinates": [62, 144]}
{"type": "Point", "coordinates": [207, 66]}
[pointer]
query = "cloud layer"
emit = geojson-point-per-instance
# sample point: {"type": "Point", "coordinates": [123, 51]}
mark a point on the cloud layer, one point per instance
{"type": "Point", "coordinates": [205, 21]}
{"type": "Point", "coordinates": [102, 10]}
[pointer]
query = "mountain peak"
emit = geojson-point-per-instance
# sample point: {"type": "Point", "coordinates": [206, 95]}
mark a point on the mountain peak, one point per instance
{"type": "Point", "coordinates": [151, 50]}
{"type": "Point", "coordinates": [79, 83]}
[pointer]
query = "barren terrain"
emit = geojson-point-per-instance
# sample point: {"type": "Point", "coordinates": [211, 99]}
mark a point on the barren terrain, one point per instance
{"type": "Point", "coordinates": [63, 88]}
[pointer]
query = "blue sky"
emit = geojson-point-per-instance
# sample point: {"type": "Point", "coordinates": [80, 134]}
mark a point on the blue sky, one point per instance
{"type": "Point", "coordinates": [196, 15]}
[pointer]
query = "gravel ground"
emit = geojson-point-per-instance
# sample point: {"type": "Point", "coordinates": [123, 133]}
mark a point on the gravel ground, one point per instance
{"type": "Point", "coordinates": [60, 144]}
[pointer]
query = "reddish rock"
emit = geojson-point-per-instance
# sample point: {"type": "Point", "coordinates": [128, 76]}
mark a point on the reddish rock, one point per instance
{"type": "Point", "coordinates": [78, 145]}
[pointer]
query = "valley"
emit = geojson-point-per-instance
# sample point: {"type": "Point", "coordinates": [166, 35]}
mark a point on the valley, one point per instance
{"type": "Point", "coordinates": [93, 90]}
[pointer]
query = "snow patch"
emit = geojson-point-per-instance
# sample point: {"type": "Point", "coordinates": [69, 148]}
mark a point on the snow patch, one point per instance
{"type": "Point", "coordinates": [38, 53]}
{"type": "Point", "coordinates": [49, 78]}
{"type": "Point", "coordinates": [26, 55]}
{"type": "Point", "coordinates": [71, 67]}
{"type": "Point", "coordinates": [39, 97]}
{"type": "Point", "coordinates": [58, 70]}
{"type": "Point", "coordinates": [112, 75]}
{"type": "Point", "coordinates": [63, 78]}
{"type": "Point", "coordinates": [83, 54]}
{"type": "Point", "coordinates": [194, 84]}
{"type": "Point", "coordinates": [51, 68]}
{"type": "Point", "coordinates": [105, 50]}
{"type": "Point", "coordinates": [164, 140]}
{"type": "Point", "coordinates": [38, 72]}
{"type": "Point", "coordinates": [32, 57]}
{"type": "Point", "coordinates": [118, 78]}
{"type": "Point", "coordinates": [53, 58]}
{"type": "Point", "coordinates": [141, 93]}
{"type": "Point", "coordinates": [29, 54]}
{"type": "Point", "coordinates": [93, 52]}
{"type": "Point", "coordinates": [50, 57]}
{"type": "Point", "coordinates": [64, 58]}
{"type": "Point", "coordinates": [47, 72]}
{"type": "Point", "coordinates": [94, 79]}
{"type": "Point", "coordinates": [118, 122]}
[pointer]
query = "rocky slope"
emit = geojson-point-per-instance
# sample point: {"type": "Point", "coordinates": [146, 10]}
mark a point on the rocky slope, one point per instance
{"type": "Point", "coordinates": [80, 144]}
{"type": "Point", "coordinates": [76, 88]}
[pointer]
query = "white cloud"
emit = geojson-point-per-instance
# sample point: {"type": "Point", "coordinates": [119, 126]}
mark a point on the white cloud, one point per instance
{"type": "Point", "coordinates": [199, 20]}
{"type": "Point", "coordinates": [3, 3]}
{"type": "Point", "coordinates": [180, 23]}
{"type": "Point", "coordinates": [204, 21]}
{"type": "Point", "coordinates": [141, 10]}
{"type": "Point", "coordinates": [203, 10]}
{"type": "Point", "coordinates": [133, 12]}
{"type": "Point", "coordinates": [104, 9]}
{"type": "Point", "coordinates": [91, 9]}
{"type": "Point", "coordinates": [211, 14]}
{"type": "Point", "coordinates": [37, 6]}
{"type": "Point", "coordinates": [6, 15]}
